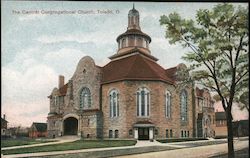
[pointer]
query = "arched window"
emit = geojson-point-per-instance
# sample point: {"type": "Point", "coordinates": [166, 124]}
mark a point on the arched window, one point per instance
{"type": "Point", "coordinates": [171, 133]}
{"type": "Point", "coordinates": [85, 98]}
{"type": "Point", "coordinates": [168, 104]}
{"type": "Point", "coordinates": [143, 102]}
{"type": "Point", "coordinates": [139, 42]}
{"type": "Point", "coordinates": [114, 103]}
{"type": "Point", "coordinates": [116, 134]}
{"type": "Point", "coordinates": [183, 99]}
{"type": "Point", "coordinates": [110, 134]}
{"type": "Point", "coordinates": [131, 41]}
{"type": "Point", "coordinates": [146, 44]}
{"type": "Point", "coordinates": [156, 131]}
{"type": "Point", "coordinates": [56, 100]}
{"type": "Point", "coordinates": [207, 122]}
{"type": "Point", "coordinates": [130, 132]}
{"type": "Point", "coordinates": [123, 42]}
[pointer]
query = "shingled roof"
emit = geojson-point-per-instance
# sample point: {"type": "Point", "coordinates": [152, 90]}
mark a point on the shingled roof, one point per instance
{"type": "Point", "coordinates": [171, 72]}
{"type": "Point", "coordinates": [40, 127]}
{"type": "Point", "coordinates": [133, 32]}
{"type": "Point", "coordinates": [135, 67]}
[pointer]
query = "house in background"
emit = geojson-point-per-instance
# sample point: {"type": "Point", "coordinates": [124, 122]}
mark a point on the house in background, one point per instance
{"type": "Point", "coordinates": [38, 130]}
{"type": "Point", "coordinates": [221, 124]}
{"type": "Point", "coordinates": [4, 125]}
{"type": "Point", "coordinates": [241, 128]}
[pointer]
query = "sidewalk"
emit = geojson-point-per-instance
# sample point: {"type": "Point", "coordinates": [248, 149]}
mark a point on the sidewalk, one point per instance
{"type": "Point", "coordinates": [143, 143]}
{"type": "Point", "coordinates": [160, 150]}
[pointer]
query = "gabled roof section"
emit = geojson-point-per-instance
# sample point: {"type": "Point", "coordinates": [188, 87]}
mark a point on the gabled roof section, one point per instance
{"type": "Point", "coordinates": [40, 127]}
{"type": "Point", "coordinates": [63, 90]}
{"type": "Point", "coordinates": [199, 92]}
{"type": "Point", "coordinates": [171, 73]}
{"type": "Point", "coordinates": [135, 67]}
{"type": "Point", "coordinates": [3, 120]}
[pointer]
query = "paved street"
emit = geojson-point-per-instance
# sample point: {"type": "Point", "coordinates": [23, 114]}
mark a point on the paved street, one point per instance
{"type": "Point", "coordinates": [192, 149]}
{"type": "Point", "coordinates": [196, 152]}
{"type": "Point", "coordinates": [244, 153]}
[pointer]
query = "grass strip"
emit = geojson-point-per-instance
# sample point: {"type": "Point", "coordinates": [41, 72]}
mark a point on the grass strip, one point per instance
{"type": "Point", "coordinates": [79, 144]}
{"type": "Point", "coordinates": [19, 142]}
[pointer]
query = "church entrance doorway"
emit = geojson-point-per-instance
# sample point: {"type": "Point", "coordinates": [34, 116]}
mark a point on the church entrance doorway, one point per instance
{"type": "Point", "coordinates": [143, 133]}
{"type": "Point", "coordinates": [70, 126]}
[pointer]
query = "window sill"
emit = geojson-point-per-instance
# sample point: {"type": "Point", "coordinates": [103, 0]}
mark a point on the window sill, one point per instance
{"type": "Point", "coordinates": [143, 116]}
{"type": "Point", "coordinates": [114, 118]}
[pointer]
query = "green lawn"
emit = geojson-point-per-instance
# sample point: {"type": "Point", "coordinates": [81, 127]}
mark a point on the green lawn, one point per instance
{"type": "Point", "coordinates": [18, 142]}
{"type": "Point", "coordinates": [80, 144]}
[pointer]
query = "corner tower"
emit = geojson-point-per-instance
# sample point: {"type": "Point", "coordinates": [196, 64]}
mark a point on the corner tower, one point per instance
{"type": "Point", "coordinates": [133, 37]}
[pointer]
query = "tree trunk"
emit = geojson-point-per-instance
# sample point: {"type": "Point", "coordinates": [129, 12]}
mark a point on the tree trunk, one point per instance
{"type": "Point", "coordinates": [230, 143]}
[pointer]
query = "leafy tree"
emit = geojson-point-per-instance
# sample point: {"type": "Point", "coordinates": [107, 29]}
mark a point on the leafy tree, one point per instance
{"type": "Point", "coordinates": [218, 41]}
{"type": "Point", "coordinates": [244, 101]}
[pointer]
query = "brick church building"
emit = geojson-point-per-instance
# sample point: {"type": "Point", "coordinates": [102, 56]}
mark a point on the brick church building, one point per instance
{"type": "Point", "coordinates": [130, 97]}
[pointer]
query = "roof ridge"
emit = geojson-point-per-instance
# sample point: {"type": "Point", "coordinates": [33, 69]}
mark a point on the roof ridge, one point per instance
{"type": "Point", "coordinates": [166, 77]}
{"type": "Point", "coordinates": [136, 56]}
{"type": "Point", "coordinates": [151, 67]}
{"type": "Point", "coordinates": [173, 67]}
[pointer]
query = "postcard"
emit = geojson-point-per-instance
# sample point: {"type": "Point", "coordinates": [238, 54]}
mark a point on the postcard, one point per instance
{"type": "Point", "coordinates": [124, 79]}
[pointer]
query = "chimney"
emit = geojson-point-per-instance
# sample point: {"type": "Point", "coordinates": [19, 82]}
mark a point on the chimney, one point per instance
{"type": "Point", "coordinates": [60, 81]}
{"type": "Point", "coordinates": [4, 116]}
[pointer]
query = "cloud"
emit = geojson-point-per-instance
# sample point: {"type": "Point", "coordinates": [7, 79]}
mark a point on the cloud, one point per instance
{"type": "Point", "coordinates": [25, 94]}
{"type": "Point", "coordinates": [26, 87]}
{"type": "Point", "coordinates": [33, 84]}
{"type": "Point", "coordinates": [30, 78]}
{"type": "Point", "coordinates": [19, 113]}
{"type": "Point", "coordinates": [100, 38]}
{"type": "Point", "coordinates": [64, 60]}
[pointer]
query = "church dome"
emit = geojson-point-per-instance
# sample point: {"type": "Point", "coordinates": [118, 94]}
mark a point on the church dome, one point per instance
{"type": "Point", "coordinates": [133, 12]}
{"type": "Point", "coordinates": [133, 37]}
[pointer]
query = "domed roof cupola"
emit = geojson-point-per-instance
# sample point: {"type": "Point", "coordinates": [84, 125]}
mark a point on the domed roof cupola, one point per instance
{"type": "Point", "coordinates": [133, 12]}
{"type": "Point", "coordinates": [133, 19]}
{"type": "Point", "coordinates": [133, 37]}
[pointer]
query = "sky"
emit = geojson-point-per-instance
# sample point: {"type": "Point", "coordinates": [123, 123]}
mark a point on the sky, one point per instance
{"type": "Point", "coordinates": [37, 46]}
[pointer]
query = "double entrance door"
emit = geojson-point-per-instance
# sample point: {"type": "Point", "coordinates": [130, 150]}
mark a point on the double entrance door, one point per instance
{"type": "Point", "coordinates": [143, 133]}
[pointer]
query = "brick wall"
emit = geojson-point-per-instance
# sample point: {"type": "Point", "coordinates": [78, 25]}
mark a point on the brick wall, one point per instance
{"type": "Point", "coordinates": [127, 104]}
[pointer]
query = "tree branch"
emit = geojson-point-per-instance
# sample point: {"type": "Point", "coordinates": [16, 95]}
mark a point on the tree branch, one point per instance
{"type": "Point", "coordinates": [238, 80]}
{"type": "Point", "coordinates": [196, 51]}
{"type": "Point", "coordinates": [238, 49]}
